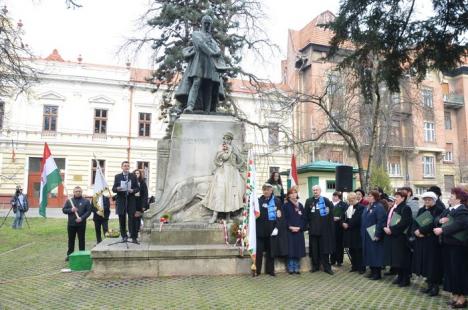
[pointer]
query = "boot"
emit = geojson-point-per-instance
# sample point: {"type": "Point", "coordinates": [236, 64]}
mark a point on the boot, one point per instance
{"type": "Point", "coordinates": [434, 291]}
{"type": "Point", "coordinates": [427, 289]}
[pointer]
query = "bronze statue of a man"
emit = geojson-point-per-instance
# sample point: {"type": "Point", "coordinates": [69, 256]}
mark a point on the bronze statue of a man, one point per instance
{"type": "Point", "coordinates": [201, 87]}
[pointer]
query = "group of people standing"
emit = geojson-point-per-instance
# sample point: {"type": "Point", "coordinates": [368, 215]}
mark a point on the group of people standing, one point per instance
{"type": "Point", "coordinates": [131, 199]}
{"type": "Point", "coordinates": [375, 231]}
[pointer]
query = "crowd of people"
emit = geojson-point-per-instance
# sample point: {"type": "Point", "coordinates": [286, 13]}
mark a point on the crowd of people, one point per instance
{"type": "Point", "coordinates": [397, 233]}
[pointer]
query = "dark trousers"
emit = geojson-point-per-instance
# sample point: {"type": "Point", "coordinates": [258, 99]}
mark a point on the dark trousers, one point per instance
{"type": "Point", "coordinates": [316, 255]}
{"type": "Point", "coordinates": [356, 259]}
{"type": "Point", "coordinates": [72, 232]}
{"type": "Point", "coordinates": [264, 245]}
{"type": "Point", "coordinates": [98, 223]}
{"type": "Point", "coordinates": [337, 256]}
{"type": "Point", "coordinates": [131, 226]}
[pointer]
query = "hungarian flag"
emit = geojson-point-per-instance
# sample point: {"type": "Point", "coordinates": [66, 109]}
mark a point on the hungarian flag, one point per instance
{"type": "Point", "coordinates": [254, 209]}
{"type": "Point", "coordinates": [50, 178]}
{"type": "Point", "coordinates": [293, 173]}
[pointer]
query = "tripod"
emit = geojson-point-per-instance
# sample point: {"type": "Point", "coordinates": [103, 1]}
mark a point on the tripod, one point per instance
{"type": "Point", "coordinates": [4, 220]}
{"type": "Point", "coordinates": [6, 216]}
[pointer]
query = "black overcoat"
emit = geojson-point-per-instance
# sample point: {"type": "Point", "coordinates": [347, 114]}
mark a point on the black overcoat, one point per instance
{"type": "Point", "coordinates": [264, 227]}
{"type": "Point", "coordinates": [427, 259]}
{"type": "Point", "coordinates": [321, 226]}
{"type": "Point", "coordinates": [125, 202]}
{"type": "Point", "coordinates": [396, 246]}
{"type": "Point", "coordinates": [352, 236]}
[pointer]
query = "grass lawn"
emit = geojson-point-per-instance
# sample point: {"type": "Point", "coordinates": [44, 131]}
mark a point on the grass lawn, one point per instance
{"type": "Point", "coordinates": [30, 278]}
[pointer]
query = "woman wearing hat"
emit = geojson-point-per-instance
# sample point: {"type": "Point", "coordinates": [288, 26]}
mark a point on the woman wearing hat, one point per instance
{"type": "Point", "coordinates": [453, 222]}
{"type": "Point", "coordinates": [427, 259]}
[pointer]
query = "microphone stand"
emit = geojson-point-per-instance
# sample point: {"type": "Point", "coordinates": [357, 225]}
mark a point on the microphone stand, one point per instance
{"type": "Point", "coordinates": [124, 240]}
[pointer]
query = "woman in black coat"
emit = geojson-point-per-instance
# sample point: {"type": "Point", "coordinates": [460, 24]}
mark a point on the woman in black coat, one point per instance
{"type": "Point", "coordinates": [427, 259]}
{"type": "Point", "coordinates": [352, 232]}
{"type": "Point", "coordinates": [453, 225]}
{"type": "Point", "coordinates": [141, 198]}
{"type": "Point", "coordinates": [397, 252]}
{"type": "Point", "coordinates": [296, 223]}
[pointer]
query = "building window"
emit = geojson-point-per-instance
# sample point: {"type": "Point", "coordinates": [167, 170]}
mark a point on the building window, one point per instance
{"type": "Point", "coordinates": [448, 120]}
{"type": "Point", "coordinates": [144, 166]}
{"type": "Point", "coordinates": [273, 133]}
{"type": "Point", "coordinates": [429, 132]}
{"type": "Point", "coordinates": [100, 121]}
{"type": "Point", "coordinates": [426, 95]}
{"type": "Point", "coordinates": [394, 166]}
{"type": "Point", "coordinates": [274, 169]}
{"type": "Point", "coordinates": [331, 185]}
{"type": "Point", "coordinates": [102, 164]}
{"type": "Point", "coordinates": [2, 112]}
{"type": "Point", "coordinates": [144, 125]}
{"type": "Point", "coordinates": [50, 118]}
{"type": "Point", "coordinates": [335, 156]}
{"type": "Point", "coordinates": [419, 190]}
{"type": "Point", "coordinates": [395, 132]}
{"type": "Point", "coordinates": [448, 156]}
{"type": "Point", "coordinates": [429, 166]}
{"type": "Point", "coordinates": [449, 182]}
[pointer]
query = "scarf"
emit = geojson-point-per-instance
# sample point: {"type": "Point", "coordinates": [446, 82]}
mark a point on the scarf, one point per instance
{"type": "Point", "coordinates": [272, 209]}
{"type": "Point", "coordinates": [350, 212]}
{"type": "Point", "coordinates": [321, 206]}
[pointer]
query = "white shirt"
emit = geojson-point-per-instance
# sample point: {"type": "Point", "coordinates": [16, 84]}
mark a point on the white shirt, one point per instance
{"type": "Point", "coordinates": [454, 207]}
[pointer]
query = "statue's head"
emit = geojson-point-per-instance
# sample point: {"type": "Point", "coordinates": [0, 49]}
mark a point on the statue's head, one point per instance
{"type": "Point", "coordinates": [207, 23]}
{"type": "Point", "coordinates": [228, 137]}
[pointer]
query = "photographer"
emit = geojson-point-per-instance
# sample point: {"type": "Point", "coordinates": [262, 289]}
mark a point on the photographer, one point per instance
{"type": "Point", "coordinates": [20, 205]}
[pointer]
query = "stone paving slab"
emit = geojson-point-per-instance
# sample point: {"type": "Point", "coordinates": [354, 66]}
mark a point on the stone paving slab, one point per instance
{"type": "Point", "coordinates": [30, 278]}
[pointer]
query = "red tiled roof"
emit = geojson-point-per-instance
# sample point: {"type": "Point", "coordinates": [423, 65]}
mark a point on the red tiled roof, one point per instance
{"type": "Point", "coordinates": [313, 33]}
{"type": "Point", "coordinates": [55, 56]}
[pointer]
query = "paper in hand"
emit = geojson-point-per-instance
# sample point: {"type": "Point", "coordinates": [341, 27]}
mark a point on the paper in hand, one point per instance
{"type": "Point", "coordinates": [125, 186]}
{"type": "Point", "coordinates": [274, 232]}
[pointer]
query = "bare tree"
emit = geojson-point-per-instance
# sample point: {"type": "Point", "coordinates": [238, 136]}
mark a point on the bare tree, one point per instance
{"type": "Point", "coordinates": [15, 72]}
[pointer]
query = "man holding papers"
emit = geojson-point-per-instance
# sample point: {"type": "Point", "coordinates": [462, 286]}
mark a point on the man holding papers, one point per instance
{"type": "Point", "coordinates": [427, 260]}
{"type": "Point", "coordinates": [454, 222]}
{"type": "Point", "coordinates": [396, 248]}
{"type": "Point", "coordinates": [126, 186]}
{"type": "Point", "coordinates": [373, 221]}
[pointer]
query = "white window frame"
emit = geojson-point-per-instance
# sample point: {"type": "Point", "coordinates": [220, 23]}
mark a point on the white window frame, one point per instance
{"type": "Point", "coordinates": [428, 166]}
{"type": "Point", "coordinates": [429, 132]}
{"type": "Point", "coordinates": [427, 97]}
{"type": "Point", "coordinates": [394, 169]}
{"type": "Point", "coordinates": [448, 156]}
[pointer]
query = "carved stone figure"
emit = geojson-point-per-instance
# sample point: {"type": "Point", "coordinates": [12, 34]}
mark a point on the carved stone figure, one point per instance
{"type": "Point", "coordinates": [227, 188]}
{"type": "Point", "coordinates": [201, 87]}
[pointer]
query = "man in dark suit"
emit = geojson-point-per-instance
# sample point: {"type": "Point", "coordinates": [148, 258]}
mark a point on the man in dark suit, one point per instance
{"type": "Point", "coordinates": [319, 213]}
{"type": "Point", "coordinates": [126, 186]}
{"type": "Point", "coordinates": [78, 210]}
{"type": "Point", "coordinates": [270, 210]}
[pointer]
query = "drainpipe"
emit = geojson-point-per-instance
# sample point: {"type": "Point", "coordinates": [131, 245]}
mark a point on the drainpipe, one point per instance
{"type": "Point", "coordinates": [129, 137]}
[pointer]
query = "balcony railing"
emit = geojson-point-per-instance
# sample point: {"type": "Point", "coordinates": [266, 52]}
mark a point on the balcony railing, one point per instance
{"type": "Point", "coordinates": [453, 100]}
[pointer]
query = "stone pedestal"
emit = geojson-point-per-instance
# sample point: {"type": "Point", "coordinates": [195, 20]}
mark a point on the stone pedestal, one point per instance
{"type": "Point", "coordinates": [188, 245]}
{"type": "Point", "coordinates": [185, 164]}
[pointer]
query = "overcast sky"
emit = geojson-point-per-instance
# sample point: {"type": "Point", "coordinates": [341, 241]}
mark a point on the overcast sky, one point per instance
{"type": "Point", "coordinates": [100, 27]}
